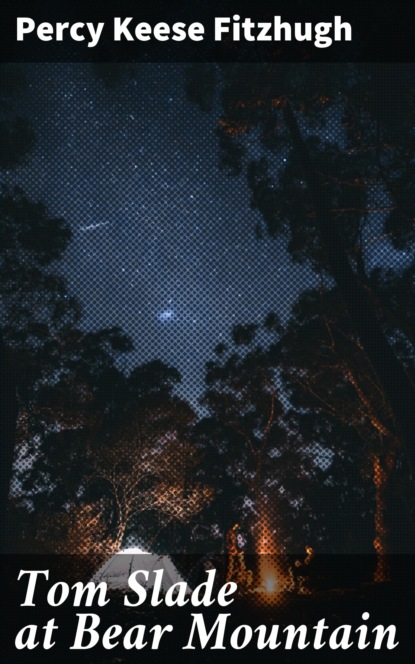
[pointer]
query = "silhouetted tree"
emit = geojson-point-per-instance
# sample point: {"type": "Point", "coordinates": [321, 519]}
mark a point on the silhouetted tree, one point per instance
{"type": "Point", "coordinates": [16, 134]}
{"type": "Point", "coordinates": [35, 307]}
{"type": "Point", "coordinates": [123, 451]}
{"type": "Point", "coordinates": [143, 459]}
{"type": "Point", "coordinates": [332, 170]}
{"type": "Point", "coordinates": [250, 455]}
{"type": "Point", "coordinates": [328, 378]}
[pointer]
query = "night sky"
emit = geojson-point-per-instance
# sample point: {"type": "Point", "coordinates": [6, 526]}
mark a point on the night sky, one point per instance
{"type": "Point", "coordinates": [163, 242]}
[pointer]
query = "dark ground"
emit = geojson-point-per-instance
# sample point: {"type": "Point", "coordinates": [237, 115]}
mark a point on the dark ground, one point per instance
{"type": "Point", "coordinates": [387, 604]}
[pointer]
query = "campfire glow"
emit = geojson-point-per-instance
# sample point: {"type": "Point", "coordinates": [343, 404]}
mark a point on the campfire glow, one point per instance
{"type": "Point", "coordinates": [270, 579]}
{"type": "Point", "coordinates": [270, 584]}
{"type": "Point", "coordinates": [269, 593]}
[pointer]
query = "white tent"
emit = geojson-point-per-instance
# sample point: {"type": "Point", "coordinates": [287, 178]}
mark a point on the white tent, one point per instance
{"type": "Point", "coordinates": [116, 571]}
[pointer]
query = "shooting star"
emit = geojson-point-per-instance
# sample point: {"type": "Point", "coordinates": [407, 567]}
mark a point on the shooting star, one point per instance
{"type": "Point", "coordinates": [92, 227]}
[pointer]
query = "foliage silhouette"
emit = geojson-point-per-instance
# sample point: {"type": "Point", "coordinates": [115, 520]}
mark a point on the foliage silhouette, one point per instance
{"type": "Point", "coordinates": [333, 171]}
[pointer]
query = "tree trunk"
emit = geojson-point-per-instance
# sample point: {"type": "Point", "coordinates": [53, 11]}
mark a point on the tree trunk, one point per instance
{"type": "Point", "coordinates": [381, 477]}
{"type": "Point", "coordinates": [8, 418]}
{"type": "Point", "coordinates": [391, 374]}
{"type": "Point", "coordinates": [271, 574]}
{"type": "Point", "coordinates": [119, 535]}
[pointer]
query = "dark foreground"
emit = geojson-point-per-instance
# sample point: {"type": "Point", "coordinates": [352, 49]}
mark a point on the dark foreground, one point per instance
{"type": "Point", "coordinates": [245, 629]}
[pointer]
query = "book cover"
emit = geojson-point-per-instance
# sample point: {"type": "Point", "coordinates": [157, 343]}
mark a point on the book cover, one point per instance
{"type": "Point", "coordinates": [207, 262]}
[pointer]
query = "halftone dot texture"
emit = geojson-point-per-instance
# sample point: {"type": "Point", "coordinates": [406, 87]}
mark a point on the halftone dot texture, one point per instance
{"type": "Point", "coordinates": [163, 242]}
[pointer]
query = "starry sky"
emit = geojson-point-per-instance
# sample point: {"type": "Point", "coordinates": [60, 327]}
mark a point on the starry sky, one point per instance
{"type": "Point", "coordinates": [163, 242]}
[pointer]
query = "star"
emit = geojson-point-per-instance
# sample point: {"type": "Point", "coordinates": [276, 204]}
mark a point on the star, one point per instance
{"type": "Point", "coordinates": [166, 315]}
